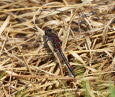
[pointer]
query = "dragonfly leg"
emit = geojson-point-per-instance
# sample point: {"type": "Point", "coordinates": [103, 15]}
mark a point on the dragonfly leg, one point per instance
{"type": "Point", "coordinates": [45, 39]}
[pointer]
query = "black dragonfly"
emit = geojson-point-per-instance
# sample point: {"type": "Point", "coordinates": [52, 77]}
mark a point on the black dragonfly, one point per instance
{"type": "Point", "coordinates": [57, 43]}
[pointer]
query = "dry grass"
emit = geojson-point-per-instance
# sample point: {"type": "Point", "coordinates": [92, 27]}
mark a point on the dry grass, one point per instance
{"type": "Point", "coordinates": [87, 30]}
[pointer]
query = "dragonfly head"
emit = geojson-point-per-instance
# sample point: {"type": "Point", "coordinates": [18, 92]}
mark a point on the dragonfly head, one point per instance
{"type": "Point", "coordinates": [48, 31]}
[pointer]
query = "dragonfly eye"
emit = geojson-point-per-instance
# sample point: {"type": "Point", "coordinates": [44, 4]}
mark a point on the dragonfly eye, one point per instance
{"type": "Point", "coordinates": [48, 31]}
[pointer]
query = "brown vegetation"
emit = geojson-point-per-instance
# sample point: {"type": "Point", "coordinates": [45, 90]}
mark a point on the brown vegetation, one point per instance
{"type": "Point", "coordinates": [87, 31]}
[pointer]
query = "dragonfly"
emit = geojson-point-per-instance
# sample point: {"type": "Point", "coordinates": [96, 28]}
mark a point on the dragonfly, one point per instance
{"type": "Point", "coordinates": [57, 43]}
